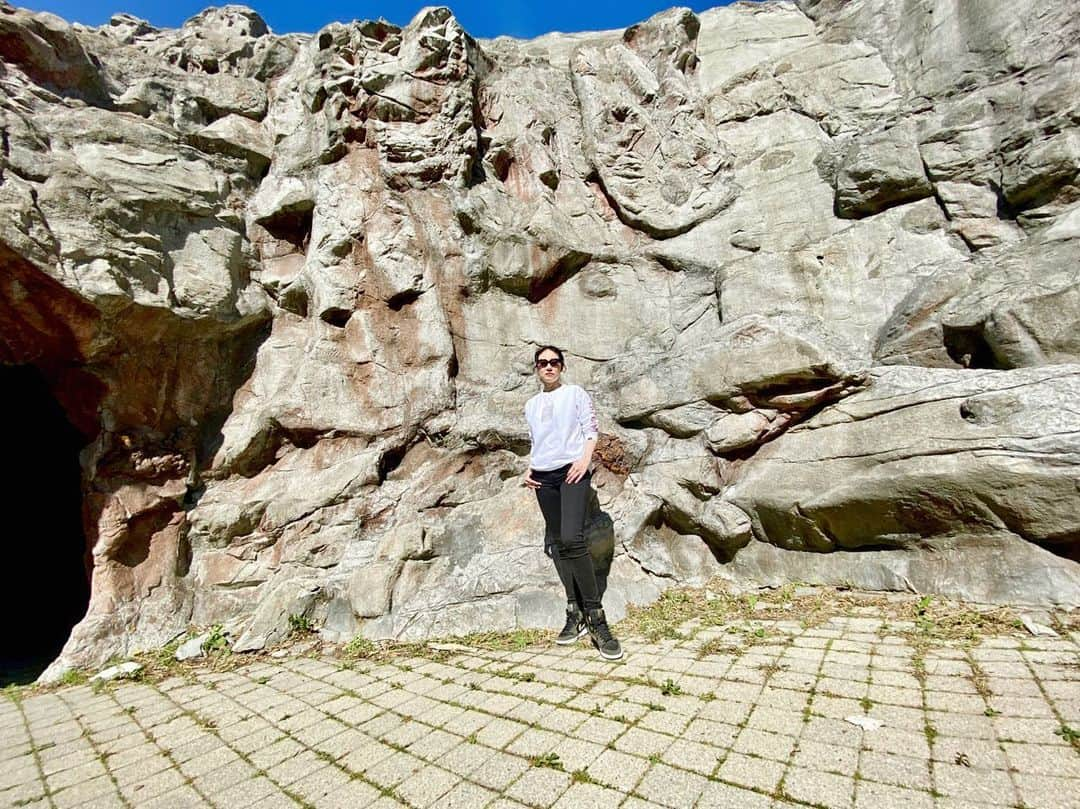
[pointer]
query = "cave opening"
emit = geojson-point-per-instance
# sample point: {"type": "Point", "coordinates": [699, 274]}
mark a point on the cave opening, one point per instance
{"type": "Point", "coordinates": [45, 578]}
{"type": "Point", "coordinates": [968, 348]}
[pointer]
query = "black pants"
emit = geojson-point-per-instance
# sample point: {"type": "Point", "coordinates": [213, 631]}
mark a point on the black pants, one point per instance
{"type": "Point", "coordinates": [563, 505]}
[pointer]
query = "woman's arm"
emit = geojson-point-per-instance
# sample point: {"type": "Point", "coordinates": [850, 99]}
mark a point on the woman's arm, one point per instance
{"type": "Point", "coordinates": [586, 417]}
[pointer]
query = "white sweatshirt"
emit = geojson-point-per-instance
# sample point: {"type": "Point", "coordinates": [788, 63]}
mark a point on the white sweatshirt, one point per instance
{"type": "Point", "coordinates": [560, 422]}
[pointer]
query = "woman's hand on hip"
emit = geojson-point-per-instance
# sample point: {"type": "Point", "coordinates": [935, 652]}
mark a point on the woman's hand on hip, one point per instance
{"type": "Point", "coordinates": [529, 482]}
{"type": "Point", "coordinates": [577, 470]}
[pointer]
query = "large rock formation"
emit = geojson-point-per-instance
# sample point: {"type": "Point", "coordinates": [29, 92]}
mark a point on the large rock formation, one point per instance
{"type": "Point", "coordinates": [816, 262]}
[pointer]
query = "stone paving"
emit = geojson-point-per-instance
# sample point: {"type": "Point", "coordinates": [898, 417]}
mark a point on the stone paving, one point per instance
{"type": "Point", "coordinates": [754, 714]}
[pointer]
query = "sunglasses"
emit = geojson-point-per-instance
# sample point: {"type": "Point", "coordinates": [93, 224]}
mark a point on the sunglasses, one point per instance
{"type": "Point", "coordinates": [546, 363]}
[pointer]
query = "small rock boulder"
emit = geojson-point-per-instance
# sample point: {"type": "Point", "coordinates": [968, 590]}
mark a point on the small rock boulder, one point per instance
{"type": "Point", "coordinates": [878, 171]}
{"type": "Point", "coordinates": [119, 672]}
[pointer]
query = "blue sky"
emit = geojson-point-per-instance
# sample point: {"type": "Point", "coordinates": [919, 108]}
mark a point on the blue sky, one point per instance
{"type": "Point", "coordinates": [523, 18]}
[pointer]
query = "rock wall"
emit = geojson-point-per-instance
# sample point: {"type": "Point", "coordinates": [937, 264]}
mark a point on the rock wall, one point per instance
{"type": "Point", "coordinates": [816, 262]}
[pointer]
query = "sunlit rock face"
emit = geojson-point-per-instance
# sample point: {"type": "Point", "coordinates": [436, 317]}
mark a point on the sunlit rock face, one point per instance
{"type": "Point", "coordinates": [816, 263]}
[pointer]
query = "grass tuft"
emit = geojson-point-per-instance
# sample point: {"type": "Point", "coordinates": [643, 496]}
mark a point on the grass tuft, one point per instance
{"type": "Point", "coordinates": [549, 761]}
{"type": "Point", "coordinates": [670, 688]}
{"type": "Point", "coordinates": [516, 640]}
{"type": "Point", "coordinates": [1069, 734]}
{"type": "Point", "coordinates": [300, 624]}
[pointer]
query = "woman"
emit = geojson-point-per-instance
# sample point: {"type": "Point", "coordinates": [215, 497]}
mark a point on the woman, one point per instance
{"type": "Point", "coordinates": [563, 429]}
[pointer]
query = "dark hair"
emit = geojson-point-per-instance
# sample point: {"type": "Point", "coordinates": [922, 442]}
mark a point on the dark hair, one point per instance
{"type": "Point", "coordinates": [542, 349]}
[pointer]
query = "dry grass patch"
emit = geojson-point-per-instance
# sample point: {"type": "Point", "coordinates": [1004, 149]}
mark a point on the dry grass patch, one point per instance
{"type": "Point", "coordinates": [944, 620]}
{"type": "Point", "coordinates": [514, 641]}
{"type": "Point", "coordinates": [934, 617]}
{"type": "Point", "coordinates": [664, 617]}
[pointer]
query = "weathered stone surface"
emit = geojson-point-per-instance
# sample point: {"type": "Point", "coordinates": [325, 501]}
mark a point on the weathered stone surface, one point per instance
{"type": "Point", "coordinates": [239, 136]}
{"type": "Point", "coordinates": [926, 453]}
{"type": "Point", "coordinates": [988, 569]}
{"type": "Point", "coordinates": [645, 128]}
{"type": "Point", "coordinates": [816, 263]}
{"type": "Point", "coordinates": [761, 60]}
{"type": "Point", "coordinates": [878, 171]}
{"type": "Point", "coordinates": [49, 52]}
{"type": "Point", "coordinates": [1043, 170]}
{"type": "Point", "coordinates": [787, 362]}
{"type": "Point", "coordinates": [737, 430]}
{"type": "Point", "coordinates": [1015, 307]}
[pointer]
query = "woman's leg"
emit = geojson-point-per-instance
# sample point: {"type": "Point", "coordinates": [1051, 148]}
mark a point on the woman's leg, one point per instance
{"type": "Point", "coordinates": [566, 575]}
{"type": "Point", "coordinates": [550, 501]}
{"type": "Point", "coordinates": [573, 551]}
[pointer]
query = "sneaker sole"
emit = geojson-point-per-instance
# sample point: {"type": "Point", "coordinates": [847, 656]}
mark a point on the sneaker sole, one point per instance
{"type": "Point", "coordinates": [568, 641]}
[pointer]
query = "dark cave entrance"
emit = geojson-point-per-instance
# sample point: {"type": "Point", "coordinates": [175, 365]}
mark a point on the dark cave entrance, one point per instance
{"type": "Point", "coordinates": [44, 579]}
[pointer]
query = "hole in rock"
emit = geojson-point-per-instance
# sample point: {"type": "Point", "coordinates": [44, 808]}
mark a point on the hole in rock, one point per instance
{"type": "Point", "coordinates": [336, 316]}
{"type": "Point", "coordinates": [400, 300]}
{"type": "Point", "coordinates": [45, 583]}
{"type": "Point", "coordinates": [1066, 547]}
{"type": "Point", "coordinates": [291, 224]}
{"type": "Point", "coordinates": [391, 460]}
{"type": "Point", "coordinates": [558, 274]}
{"type": "Point", "coordinates": [969, 349]}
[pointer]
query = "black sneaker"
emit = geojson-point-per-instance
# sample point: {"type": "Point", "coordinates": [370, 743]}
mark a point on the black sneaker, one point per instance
{"type": "Point", "coordinates": [575, 626]}
{"type": "Point", "coordinates": [603, 640]}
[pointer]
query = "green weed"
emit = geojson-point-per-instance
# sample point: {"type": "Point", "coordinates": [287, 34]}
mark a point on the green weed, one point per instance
{"type": "Point", "coordinates": [1069, 734]}
{"type": "Point", "coordinates": [300, 624]}
{"type": "Point", "coordinates": [549, 761]}
{"type": "Point", "coordinates": [216, 640]}
{"type": "Point", "coordinates": [670, 688]}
